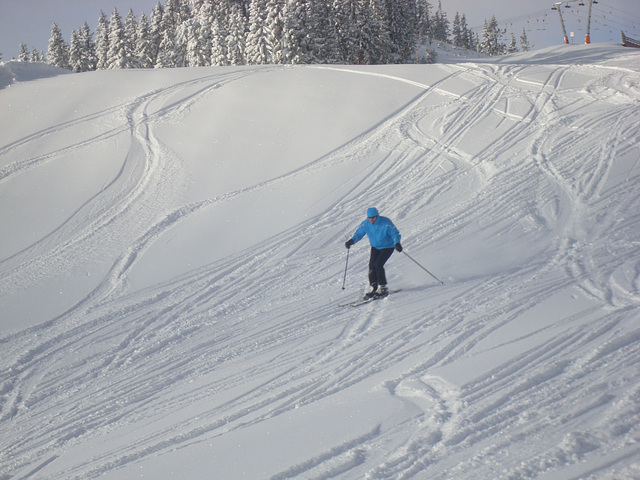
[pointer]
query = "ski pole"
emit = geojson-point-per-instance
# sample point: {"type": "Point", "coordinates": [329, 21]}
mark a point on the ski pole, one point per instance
{"type": "Point", "coordinates": [441, 282]}
{"type": "Point", "coordinates": [345, 270]}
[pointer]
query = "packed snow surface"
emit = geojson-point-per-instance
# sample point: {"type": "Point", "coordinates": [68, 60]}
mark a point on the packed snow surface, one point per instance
{"type": "Point", "coordinates": [172, 259]}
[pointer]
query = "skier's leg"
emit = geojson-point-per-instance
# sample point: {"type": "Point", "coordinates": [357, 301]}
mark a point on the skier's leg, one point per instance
{"type": "Point", "coordinates": [381, 258]}
{"type": "Point", "coordinates": [373, 273]}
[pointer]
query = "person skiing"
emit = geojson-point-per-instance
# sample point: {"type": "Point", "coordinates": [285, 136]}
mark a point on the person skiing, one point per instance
{"type": "Point", "coordinates": [383, 237]}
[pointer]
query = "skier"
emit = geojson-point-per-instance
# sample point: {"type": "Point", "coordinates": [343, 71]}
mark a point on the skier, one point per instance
{"type": "Point", "coordinates": [383, 237]}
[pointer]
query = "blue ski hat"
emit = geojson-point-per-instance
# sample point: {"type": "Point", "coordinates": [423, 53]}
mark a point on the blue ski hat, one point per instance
{"type": "Point", "coordinates": [372, 212]}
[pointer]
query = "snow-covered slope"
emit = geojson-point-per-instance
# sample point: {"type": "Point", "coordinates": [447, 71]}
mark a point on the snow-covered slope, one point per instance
{"type": "Point", "coordinates": [171, 261]}
{"type": "Point", "coordinates": [16, 72]}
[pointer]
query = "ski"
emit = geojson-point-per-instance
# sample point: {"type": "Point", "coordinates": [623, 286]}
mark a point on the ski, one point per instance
{"type": "Point", "coordinates": [362, 301]}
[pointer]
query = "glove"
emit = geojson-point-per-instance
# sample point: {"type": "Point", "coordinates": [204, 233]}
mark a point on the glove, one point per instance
{"type": "Point", "coordinates": [398, 247]}
{"type": "Point", "coordinates": [349, 243]}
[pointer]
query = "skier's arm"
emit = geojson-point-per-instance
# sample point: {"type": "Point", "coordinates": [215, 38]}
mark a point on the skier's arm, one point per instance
{"type": "Point", "coordinates": [395, 234]}
{"type": "Point", "coordinates": [360, 232]}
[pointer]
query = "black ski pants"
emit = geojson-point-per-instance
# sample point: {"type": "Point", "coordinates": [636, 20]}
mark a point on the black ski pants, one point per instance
{"type": "Point", "coordinates": [376, 265]}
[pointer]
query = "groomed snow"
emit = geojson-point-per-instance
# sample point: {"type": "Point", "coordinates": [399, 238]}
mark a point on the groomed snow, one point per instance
{"type": "Point", "coordinates": [172, 257]}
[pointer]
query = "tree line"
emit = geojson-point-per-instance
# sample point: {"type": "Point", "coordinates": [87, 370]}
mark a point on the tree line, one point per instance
{"type": "Point", "coordinates": [189, 33]}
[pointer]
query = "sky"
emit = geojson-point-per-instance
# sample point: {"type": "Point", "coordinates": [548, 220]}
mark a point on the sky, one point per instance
{"type": "Point", "coordinates": [30, 21]}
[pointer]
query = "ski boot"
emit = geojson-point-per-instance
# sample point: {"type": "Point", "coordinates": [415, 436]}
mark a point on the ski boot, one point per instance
{"type": "Point", "coordinates": [371, 291]}
{"type": "Point", "coordinates": [382, 291]}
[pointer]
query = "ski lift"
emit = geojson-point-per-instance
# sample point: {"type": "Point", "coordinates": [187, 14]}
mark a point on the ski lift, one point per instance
{"type": "Point", "coordinates": [581, 4]}
{"type": "Point", "coordinates": [554, 7]}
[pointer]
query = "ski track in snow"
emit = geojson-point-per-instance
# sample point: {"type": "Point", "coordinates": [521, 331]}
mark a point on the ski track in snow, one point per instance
{"type": "Point", "coordinates": [125, 199]}
{"type": "Point", "coordinates": [194, 351]}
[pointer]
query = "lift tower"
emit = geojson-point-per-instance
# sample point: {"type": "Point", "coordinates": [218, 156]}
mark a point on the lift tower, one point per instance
{"type": "Point", "coordinates": [556, 6]}
{"type": "Point", "coordinates": [587, 36]}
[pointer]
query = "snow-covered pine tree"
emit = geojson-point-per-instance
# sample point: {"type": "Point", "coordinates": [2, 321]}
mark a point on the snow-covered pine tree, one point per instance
{"type": "Point", "coordinates": [172, 50]}
{"type": "Point", "coordinates": [375, 43]}
{"type": "Point", "coordinates": [58, 51]}
{"type": "Point", "coordinates": [346, 30]}
{"type": "Point", "coordinates": [236, 38]}
{"type": "Point", "coordinates": [102, 42]}
{"type": "Point", "coordinates": [423, 14]}
{"type": "Point", "coordinates": [484, 46]}
{"type": "Point", "coordinates": [131, 40]}
{"type": "Point", "coordinates": [181, 52]}
{"type": "Point", "coordinates": [467, 34]}
{"type": "Point", "coordinates": [88, 48]}
{"type": "Point", "coordinates": [457, 33]}
{"type": "Point", "coordinates": [35, 56]}
{"type": "Point", "coordinates": [75, 48]}
{"type": "Point", "coordinates": [155, 32]}
{"type": "Point", "coordinates": [258, 50]}
{"type": "Point", "coordinates": [196, 54]}
{"type": "Point", "coordinates": [185, 30]}
{"type": "Point", "coordinates": [524, 41]}
{"type": "Point", "coordinates": [185, 11]}
{"type": "Point", "coordinates": [143, 47]}
{"type": "Point", "coordinates": [363, 35]}
{"type": "Point", "coordinates": [196, 5]}
{"type": "Point", "coordinates": [24, 53]}
{"type": "Point", "coordinates": [166, 50]}
{"type": "Point", "coordinates": [296, 34]}
{"type": "Point", "coordinates": [167, 46]}
{"type": "Point", "coordinates": [492, 38]}
{"type": "Point", "coordinates": [202, 32]}
{"type": "Point", "coordinates": [219, 36]}
{"type": "Point", "coordinates": [322, 42]}
{"type": "Point", "coordinates": [116, 56]}
{"type": "Point", "coordinates": [440, 25]}
{"type": "Point", "coordinates": [275, 28]}
{"type": "Point", "coordinates": [81, 51]}
{"type": "Point", "coordinates": [204, 14]}
{"type": "Point", "coordinates": [513, 47]}
{"type": "Point", "coordinates": [369, 31]}
{"type": "Point", "coordinates": [402, 26]}
{"type": "Point", "coordinates": [430, 56]}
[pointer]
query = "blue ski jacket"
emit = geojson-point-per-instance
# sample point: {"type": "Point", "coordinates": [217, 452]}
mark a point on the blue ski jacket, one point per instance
{"type": "Point", "coordinates": [382, 233]}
